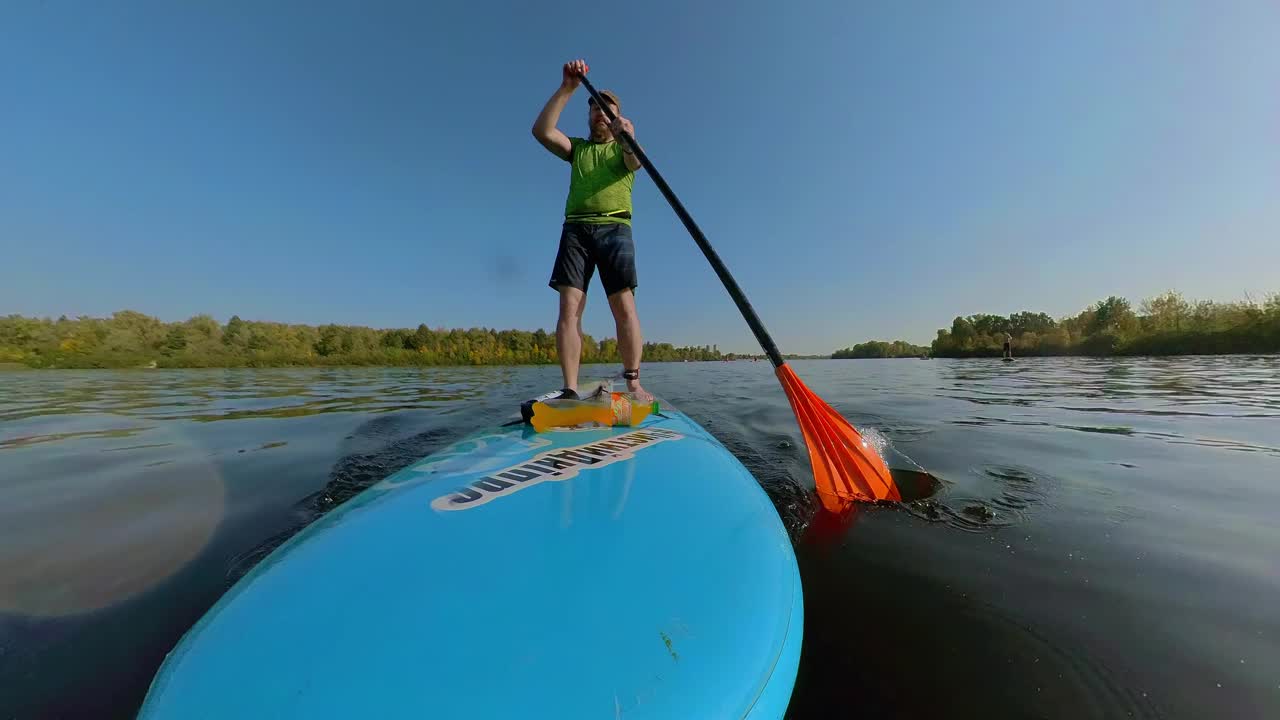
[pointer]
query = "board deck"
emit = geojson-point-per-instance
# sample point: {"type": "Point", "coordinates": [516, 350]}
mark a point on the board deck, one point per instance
{"type": "Point", "coordinates": [610, 572]}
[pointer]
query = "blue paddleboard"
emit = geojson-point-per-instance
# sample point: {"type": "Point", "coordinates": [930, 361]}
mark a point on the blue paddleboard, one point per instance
{"type": "Point", "coordinates": [578, 573]}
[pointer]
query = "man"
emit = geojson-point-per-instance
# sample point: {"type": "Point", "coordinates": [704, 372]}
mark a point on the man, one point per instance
{"type": "Point", "coordinates": [1008, 346]}
{"type": "Point", "coordinates": [597, 228]}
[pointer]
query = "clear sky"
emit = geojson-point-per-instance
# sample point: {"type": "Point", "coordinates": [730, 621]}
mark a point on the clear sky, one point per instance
{"type": "Point", "coordinates": [867, 170]}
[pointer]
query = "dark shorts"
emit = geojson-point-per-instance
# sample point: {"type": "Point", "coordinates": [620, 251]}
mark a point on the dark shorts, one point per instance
{"type": "Point", "coordinates": [585, 247]}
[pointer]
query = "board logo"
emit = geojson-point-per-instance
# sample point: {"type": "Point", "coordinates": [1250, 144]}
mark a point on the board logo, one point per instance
{"type": "Point", "coordinates": [552, 465]}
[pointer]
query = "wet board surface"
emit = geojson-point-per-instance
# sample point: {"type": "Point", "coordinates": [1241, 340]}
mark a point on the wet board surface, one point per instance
{"type": "Point", "coordinates": [612, 572]}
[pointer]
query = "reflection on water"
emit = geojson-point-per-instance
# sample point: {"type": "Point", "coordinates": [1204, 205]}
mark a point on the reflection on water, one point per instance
{"type": "Point", "coordinates": [1078, 538]}
{"type": "Point", "coordinates": [89, 539]}
{"type": "Point", "coordinates": [214, 395]}
{"type": "Point", "coordinates": [1227, 386]}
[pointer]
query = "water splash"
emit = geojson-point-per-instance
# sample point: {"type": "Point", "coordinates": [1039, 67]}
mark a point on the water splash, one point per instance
{"type": "Point", "coordinates": [1014, 492]}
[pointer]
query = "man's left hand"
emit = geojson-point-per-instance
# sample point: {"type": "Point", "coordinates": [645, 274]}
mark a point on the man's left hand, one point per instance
{"type": "Point", "coordinates": [620, 124]}
{"type": "Point", "coordinates": [628, 150]}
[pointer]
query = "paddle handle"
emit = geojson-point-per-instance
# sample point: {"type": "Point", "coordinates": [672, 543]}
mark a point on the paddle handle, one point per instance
{"type": "Point", "coordinates": [739, 298]}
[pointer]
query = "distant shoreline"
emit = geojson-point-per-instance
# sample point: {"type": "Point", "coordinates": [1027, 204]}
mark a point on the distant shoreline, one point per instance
{"type": "Point", "coordinates": [19, 367]}
{"type": "Point", "coordinates": [1163, 326]}
{"type": "Point", "coordinates": [997, 355]}
{"type": "Point", "coordinates": [129, 339]}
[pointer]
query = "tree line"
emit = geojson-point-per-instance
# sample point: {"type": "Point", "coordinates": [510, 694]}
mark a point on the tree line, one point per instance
{"type": "Point", "coordinates": [133, 339]}
{"type": "Point", "coordinates": [881, 349]}
{"type": "Point", "coordinates": [1167, 324]}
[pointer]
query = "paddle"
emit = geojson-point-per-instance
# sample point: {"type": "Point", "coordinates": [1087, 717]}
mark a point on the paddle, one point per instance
{"type": "Point", "coordinates": [845, 467]}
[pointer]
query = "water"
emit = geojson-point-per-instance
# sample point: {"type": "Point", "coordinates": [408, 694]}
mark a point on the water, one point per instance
{"type": "Point", "coordinates": [1102, 538]}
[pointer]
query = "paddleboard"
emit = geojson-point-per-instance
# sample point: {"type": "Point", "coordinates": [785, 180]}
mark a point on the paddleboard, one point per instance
{"type": "Point", "coordinates": [631, 572]}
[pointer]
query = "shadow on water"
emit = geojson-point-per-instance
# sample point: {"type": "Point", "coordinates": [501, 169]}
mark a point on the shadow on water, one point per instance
{"type": "Point", "coordinates": [350, 476]}
{"type": "Point", "coordinates": [889, 641]}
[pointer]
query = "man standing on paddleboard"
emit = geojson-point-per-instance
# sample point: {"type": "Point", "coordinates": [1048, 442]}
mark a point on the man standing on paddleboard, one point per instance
{"type": "Point", "coordinates": [597, 228]}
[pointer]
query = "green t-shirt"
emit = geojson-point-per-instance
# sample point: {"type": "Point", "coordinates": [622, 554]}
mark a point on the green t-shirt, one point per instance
{"type": "Point", "coordinates": [599, 183]}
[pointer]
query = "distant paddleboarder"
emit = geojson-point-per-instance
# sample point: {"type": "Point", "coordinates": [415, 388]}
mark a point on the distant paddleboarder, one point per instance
{"type": "Point", "coordinates": [597, 228]}
{"type": "Point", "coordinates": [1008, 346]}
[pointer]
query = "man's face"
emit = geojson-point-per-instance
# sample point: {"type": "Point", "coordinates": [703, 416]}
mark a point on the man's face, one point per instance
{"type": "Point", "coordinates": [596, 116]}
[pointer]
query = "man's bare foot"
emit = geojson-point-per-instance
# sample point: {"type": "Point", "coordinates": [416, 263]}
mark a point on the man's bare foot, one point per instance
{"type": "Point", "coordinates": [637, 392]}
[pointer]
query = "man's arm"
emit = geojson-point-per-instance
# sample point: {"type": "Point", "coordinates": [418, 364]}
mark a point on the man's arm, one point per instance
{"type": "Point", "coordinates": [633, 162]}
{"type": "Point", "coordinates": [620, 124]}
{"type": "Point", "coordinates": [544, 128]}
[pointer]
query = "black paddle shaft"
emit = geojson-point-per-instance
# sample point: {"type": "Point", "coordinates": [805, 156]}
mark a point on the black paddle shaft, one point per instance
{"type": "Point", "coordinates": [740, 299]}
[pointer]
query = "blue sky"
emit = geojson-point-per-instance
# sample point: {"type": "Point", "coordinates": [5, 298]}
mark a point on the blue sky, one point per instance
{"type": "Point", "coordinates": [866, 170]}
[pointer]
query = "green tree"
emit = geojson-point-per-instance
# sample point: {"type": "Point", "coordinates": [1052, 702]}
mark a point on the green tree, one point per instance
{"type": "Point", "coordinates": [962, 333]}
{"type": "Point", "coordinates": [1112, 315]}
{"type": "Point", "coordinates": [175, 340]}
{"type": "Point", "coordinates": [1166, 324]}
{"type": "Point", "coordinates": [329, 342]}
{"type": "Point", "coordinates": [1166, 312]}
{"type": "Point", "coordinates": [880, 349]}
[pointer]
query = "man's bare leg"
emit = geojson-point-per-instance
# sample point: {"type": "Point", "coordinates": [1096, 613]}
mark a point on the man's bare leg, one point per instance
{"type": "Point", "coordinates": [630, 341]}
{"type": "Point", "coordinates": [569, 333]}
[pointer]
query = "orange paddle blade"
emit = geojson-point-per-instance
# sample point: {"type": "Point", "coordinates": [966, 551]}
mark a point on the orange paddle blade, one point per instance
{"type": "Point", "coordinates": [846, 468]}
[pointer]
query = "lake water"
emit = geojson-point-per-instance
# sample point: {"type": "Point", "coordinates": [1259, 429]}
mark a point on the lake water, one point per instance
{"type": "Point", "coordinates": [1103, 539]}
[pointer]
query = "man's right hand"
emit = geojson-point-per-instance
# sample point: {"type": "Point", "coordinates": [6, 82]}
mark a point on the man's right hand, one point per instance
{"type": "Point", "coordinates": [544, 128]}
{"type": "Point", "coordinates": [572, 74]}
